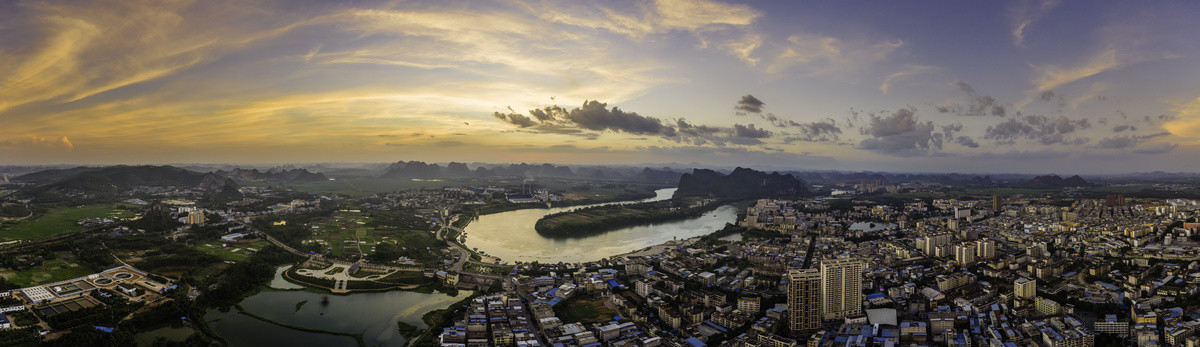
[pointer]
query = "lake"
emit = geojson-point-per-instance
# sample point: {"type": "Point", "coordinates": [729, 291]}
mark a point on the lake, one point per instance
{"type": "Point", "coordinates": [373, 314]}
{"type": "Point", "coordinates": [511, 236]}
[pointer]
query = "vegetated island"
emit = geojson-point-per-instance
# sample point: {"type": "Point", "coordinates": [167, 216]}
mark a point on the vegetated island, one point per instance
{"type": "Point", "coordinates": [699, 192]}
{"type": "Point", "coordinates": [599, 219]}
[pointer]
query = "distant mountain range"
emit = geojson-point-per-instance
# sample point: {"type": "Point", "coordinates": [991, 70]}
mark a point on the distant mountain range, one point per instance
{"type": "Point", "coordinates": [419, 169]}
{"type": "Point", "coordinates": [274, 174]}
{"type": "Point", "coordinates": [742, 183]}
{"type": "Point", "coordinates": [1053, 181]}
{"type": "Point", "coordinates": [112, 179]}
{"type": "Point", "coordinates": [699, 182]}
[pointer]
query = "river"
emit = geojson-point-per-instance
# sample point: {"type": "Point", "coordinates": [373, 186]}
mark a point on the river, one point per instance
{"type": "Point", "coordinates": [511, 237]}
{"type": "Point", "coordinates": [372, 314]}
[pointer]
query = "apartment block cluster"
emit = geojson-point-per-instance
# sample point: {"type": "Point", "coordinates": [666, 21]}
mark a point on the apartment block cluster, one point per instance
{"type": "Point", "coordinates": [1003, 271]}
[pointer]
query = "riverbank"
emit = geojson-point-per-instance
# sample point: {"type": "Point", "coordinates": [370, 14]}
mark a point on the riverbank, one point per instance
{"type": "Point", "coordinates": [659, 248]}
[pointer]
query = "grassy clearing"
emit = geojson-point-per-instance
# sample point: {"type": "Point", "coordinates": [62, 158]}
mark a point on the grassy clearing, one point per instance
{"type": "Point", "coordinates": [59, 221]}
{"type": "Point", "coordinates": [335, 232]}
{"type": "Point", "coordinates": [50, 271]}
{"type": "Point", "coordinates": [584, 310]}
{"type": "Point", "coordinates": [234, 252]}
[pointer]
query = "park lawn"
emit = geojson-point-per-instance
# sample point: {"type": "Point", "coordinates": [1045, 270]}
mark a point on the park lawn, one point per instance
{"type": "Point", "coordinates": [346, 226]}
{"type": "Point", "coordinates": [584, 310]}
{"type": "Point", "coordinates": [235, 251]}
{"type": "Point", "coordinates": [420, 245]}
{"type": "Point", "coordinates": [60, 221]}
{"type": "Point", "coordinates": [50, 271]}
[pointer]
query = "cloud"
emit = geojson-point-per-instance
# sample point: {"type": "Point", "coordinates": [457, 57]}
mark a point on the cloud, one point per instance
{"type": "Point", "coordinates": [900, 134]}
{"type": "Point", "coordinates": [594, 117]}
{"type": "Point", "coordinates": [515, 119]}
{"type": "Point", "coordinates": [1121, 128]}
{"type": "Point", "coordinates": [1022, 155]}
{"type": "Point", "coordinates": [820, 131]}
{"type": "Point", "coordinates": [749, 104]}
{"type": "Point", "coordinates": [1121, 142]}
{"type": "Point", "coordinates": [727, 24]}
{"type": "Point", "coordinates": [659, 17]}
{"type": "Point", "coordinates": [1096, 91]}
{"type": "Point", "coordinates": [744, 48]}
{"type": "Point", "coordinates": [1186, 121]}
{"type": "Point", "coordinates": [1025, 14]}
{"type": "Point", "coordinates": [750, 132]}
{"type": "Point", "coordinates": [84, 49]}
{"type": "Point", "coordinates": [966, 141]}
{"type": "Point", "coordinates": [816, 55]}
{"type": "Point", "coordinates": [1158, 148]}
{"type": "Point", "coordinates": [908, 71]}
{"type": "Point", "coordinates": [30, 145]}
{"type": "Point", "coordinates": [1038, 129]}
{"type": "Point", "coordinates": [977, 104]}
{"type": "Point", "coordinates": [66, 144]}
{"type": "Point", "coordinates": [1117, 142]}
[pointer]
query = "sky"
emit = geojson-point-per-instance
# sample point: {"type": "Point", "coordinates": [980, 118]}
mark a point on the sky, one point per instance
{"type": "Point", "coordinates": [911, 86]}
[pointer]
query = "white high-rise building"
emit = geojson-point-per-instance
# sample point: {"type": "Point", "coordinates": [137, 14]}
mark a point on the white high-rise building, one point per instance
{"type": "Point", "coordinates": [841, 287]}
{"type": "Point", "coordinates": [986, 249]}
{"type": "Point", "coordinates": [930, 243]}
{"type": "Point", "coordinates": [964, 253]}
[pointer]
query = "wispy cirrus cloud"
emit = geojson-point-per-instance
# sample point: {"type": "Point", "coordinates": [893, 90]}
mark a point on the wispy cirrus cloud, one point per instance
{"type": "Point", "coordinates": [908, 71]}
{"type": "Point", "coordinates": [816, 55]}
{"type": "Point", "coordinates": [1024, 14]}
{"type": "Point", "coordinates": [1186, 121]}
{"type": "Point", "coordinates": [89, 48]}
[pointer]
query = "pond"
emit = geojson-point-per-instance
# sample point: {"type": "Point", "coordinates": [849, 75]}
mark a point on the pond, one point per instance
{"type": "Point", "coordinates": [372, 314]}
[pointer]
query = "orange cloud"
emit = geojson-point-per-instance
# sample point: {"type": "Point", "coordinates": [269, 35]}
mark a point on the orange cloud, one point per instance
{"type": "Point", "coordinates": [1186, 122]}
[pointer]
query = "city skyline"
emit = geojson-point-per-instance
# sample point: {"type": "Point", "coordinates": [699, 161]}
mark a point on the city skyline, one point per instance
{"type": "Point", "coordinates": [1021, 87]}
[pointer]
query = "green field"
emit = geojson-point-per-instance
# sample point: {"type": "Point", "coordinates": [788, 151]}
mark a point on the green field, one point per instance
{"type": "Point", "coordinates": [584, 310]}
{"type": "Point", "coordinates": [332, 233]}
{"type": "Point", "coordinates": [49, 272]}
{"type": "Point", "coordinates": [234, 252]}
{"type": "Point", "coordinates": [58, 221]}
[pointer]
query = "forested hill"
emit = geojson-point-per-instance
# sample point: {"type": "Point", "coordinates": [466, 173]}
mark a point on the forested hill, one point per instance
{"type": "Point", "coordinates": [113, 179]}
{"type": "Point", "coordinates": [742, 183]}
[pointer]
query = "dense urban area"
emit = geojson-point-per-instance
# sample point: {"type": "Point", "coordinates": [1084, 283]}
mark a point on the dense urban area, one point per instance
{"type": "Point", "coordinates": [162, 255]}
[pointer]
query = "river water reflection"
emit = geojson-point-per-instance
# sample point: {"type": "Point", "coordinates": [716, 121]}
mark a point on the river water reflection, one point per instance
{"type": "Point", "coordinates": [511, 237]}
